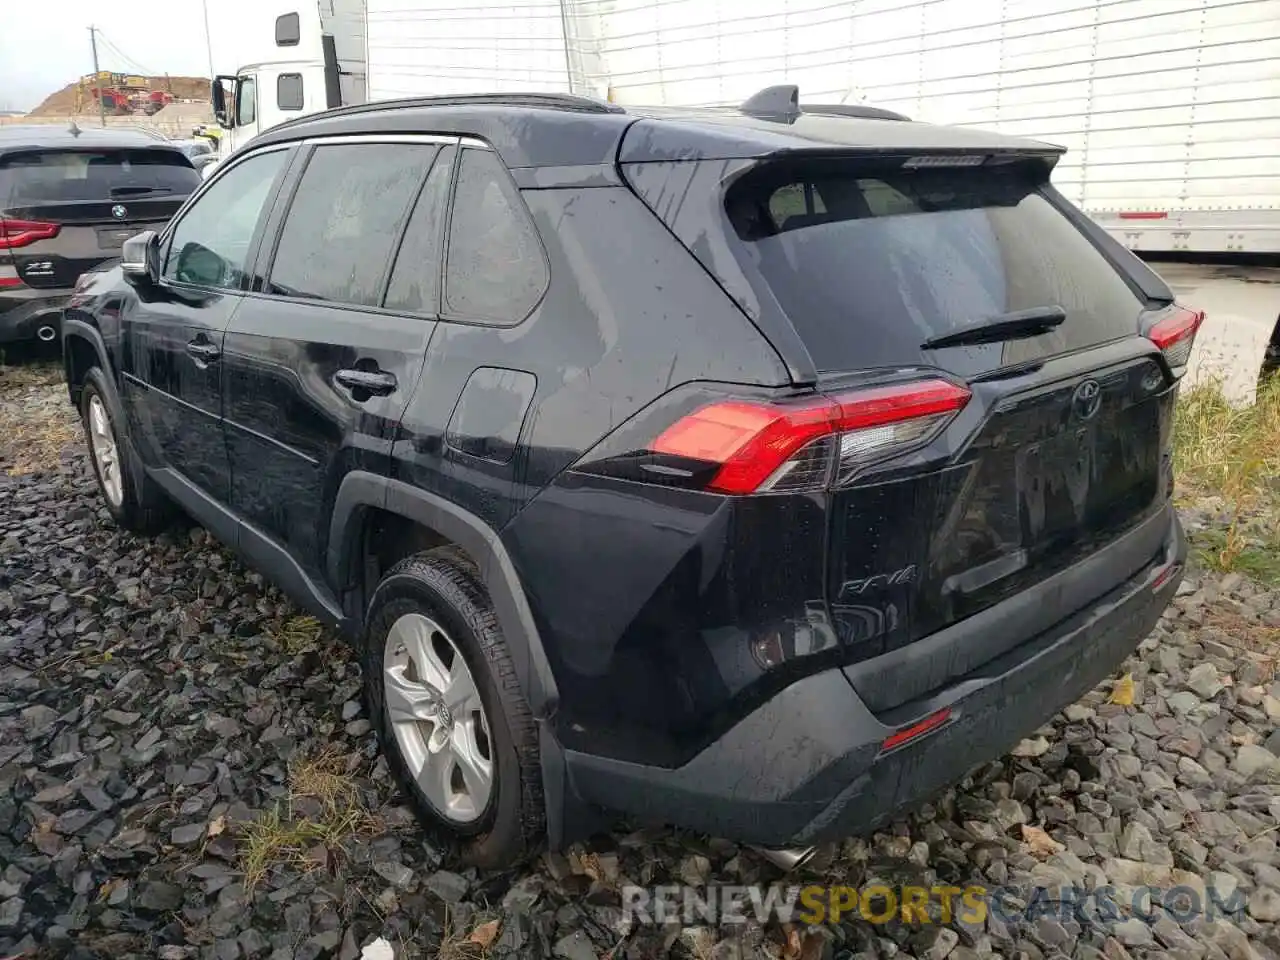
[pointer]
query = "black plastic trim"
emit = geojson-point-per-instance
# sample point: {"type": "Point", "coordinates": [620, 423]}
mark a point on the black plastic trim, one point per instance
{"type": "Point", "coordinates": [360, 489]}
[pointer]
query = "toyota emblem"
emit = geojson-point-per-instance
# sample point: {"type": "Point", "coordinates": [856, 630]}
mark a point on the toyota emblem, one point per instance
{"type": "Point", "coordinates": [1087, 399]}
{"type": "Point", "coordinates": [119, 211]}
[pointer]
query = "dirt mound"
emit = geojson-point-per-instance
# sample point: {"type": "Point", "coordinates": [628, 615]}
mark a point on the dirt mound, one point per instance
{"type": "Point", "coordinates": [63, 102]}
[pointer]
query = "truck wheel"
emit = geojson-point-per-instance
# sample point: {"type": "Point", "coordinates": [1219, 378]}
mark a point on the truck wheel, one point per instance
{"type": "Point", "coordinates": [443, 696]}
{"type": "Point", "coordinates": [132, 498]}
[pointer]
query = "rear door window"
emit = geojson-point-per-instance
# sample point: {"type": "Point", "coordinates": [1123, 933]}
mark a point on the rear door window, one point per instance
{"type": "Point", "coordinates": [869, 260]}
{"type": "Point", "coordinates": [346, 216]}
{"type": "Point", "coordinates": [415, 278]}
{"type": "Point", "coordinates": [54, 176]}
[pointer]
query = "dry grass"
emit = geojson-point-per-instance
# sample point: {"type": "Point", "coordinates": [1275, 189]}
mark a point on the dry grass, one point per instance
{"type": "Point", "coordinates": [469, 944]}
{"type": "Point", "coordinates": [33, 435]}
{"type": "Point", "coordinates": [1226, 450]}
{"type": "Point", "coordinates": [299, 634]}
{"type": "Point", "coordinates": [1233, 453]}
{"type": "Point", "coordinates": [1257, 638]}
{"type": "Point", "coordinates": [285, 838]}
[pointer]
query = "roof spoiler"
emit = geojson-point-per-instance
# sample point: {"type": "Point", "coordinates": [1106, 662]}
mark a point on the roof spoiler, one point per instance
{"type": "Point", "coordinates": [782, 103]}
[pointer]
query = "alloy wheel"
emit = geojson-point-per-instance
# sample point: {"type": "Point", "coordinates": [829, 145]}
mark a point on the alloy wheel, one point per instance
{"type": "Point", "coordinates": [438, 718]}
{"type": "Point", "coordinates": [106, 454]}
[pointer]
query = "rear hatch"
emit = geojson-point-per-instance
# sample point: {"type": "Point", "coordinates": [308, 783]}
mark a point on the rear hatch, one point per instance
{"type": "Point", "coordinates": [1046, 433]}
{"type": "Point", "coordinates": [64, 211]}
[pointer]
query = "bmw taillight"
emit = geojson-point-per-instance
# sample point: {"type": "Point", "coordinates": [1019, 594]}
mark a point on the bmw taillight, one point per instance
{"type": "Point", "coordinates": [1175, 335]}
{"type": "Point", "coordinates": [20, 233]}
{"type": "Point", "coordinates": [813, 443]}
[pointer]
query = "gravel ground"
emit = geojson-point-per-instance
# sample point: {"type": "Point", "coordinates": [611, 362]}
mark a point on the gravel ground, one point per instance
{"type": "Point", "coordinates": [185, 771]}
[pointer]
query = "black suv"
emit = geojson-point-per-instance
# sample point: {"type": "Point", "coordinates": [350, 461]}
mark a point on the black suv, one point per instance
{"type": "Point", "coordinates": [758, 471]}
{"type": "Point", "coordinates": [69, 198]}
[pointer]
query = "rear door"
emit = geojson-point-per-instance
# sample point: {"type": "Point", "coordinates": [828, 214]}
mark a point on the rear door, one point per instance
{"type": "Point", "coordinates": [1062, 447]}
{"type": "Point", "coordinates": [82, 204]}
{"type": "Point", "coordinates": [321, 360]}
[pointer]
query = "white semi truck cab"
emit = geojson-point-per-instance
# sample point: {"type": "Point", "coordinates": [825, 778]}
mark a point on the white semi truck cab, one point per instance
{"type": "Point", "coordinates": [316, 62]}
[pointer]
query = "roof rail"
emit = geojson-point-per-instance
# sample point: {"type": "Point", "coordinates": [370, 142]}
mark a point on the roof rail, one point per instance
{"type": "Point", "coordinates": [549, 101]}
{"type": "Point", "coordinates": [781, 102]}
{"type": "Point", "coordinates": [852, 110]}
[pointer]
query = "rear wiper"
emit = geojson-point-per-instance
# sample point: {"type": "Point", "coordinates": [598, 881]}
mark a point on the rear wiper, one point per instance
{"type": "Point", "coordinates": [1006, 326]}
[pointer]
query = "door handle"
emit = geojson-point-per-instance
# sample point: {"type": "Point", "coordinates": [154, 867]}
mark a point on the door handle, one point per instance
{"type": "Point", "coordinates": [203, 350]}
{"type": "Point", "coordinates": [376, 382]}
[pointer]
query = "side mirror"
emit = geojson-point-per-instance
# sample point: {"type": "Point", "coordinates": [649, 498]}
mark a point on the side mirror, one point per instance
{"type": "Point", "coordinates": [222, 92]}
{"type": "Point", "coordinates": [140, 258]}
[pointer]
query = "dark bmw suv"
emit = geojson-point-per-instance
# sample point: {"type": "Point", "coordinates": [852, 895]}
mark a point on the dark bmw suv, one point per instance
{"type": "Point", "coordinates": [758, 471]}
{"type": "Point", "coordinates": [68, 199]}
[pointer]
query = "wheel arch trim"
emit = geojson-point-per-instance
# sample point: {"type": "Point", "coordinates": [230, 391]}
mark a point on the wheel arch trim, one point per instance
{"type": "Point", "coordinates": [361, 490]}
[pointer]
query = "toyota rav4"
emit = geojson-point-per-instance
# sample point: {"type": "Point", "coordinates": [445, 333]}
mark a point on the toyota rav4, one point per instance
{"type": "Point", "coordinates": [758, 471]}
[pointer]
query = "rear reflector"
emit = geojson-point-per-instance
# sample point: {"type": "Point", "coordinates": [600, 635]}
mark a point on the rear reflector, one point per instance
{"type": "Point", "coordinates": [787, 446]}
{"type": "Point", "coordinates": [1175, 335]}
{"type": "Point", "coordinates": [20, 233]}
{"type": "Point", "coordinates": [1144, 215]}
{"type": "Point", "coordinates": [1165, 575]}
{"type": "Point", "coordinates": [916, 730]}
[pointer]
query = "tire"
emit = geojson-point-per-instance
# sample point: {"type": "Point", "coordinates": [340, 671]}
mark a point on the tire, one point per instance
{"type": "Point", "coordinates": [132, 498]}
{"type": "Point", "coordinates": [440, 587]}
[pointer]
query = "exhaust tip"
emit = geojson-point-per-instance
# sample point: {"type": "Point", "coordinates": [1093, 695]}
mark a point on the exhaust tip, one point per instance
{"type": "Point", "coordinates": [46, 333]}
{"type": "Point", "coordinates": [788, 859]}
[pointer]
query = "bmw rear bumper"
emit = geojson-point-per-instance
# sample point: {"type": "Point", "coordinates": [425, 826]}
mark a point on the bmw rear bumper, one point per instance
{"type": "Point", "coordinates": [23, 311]}
{"type": "Point", "coordinates": [808, 765]}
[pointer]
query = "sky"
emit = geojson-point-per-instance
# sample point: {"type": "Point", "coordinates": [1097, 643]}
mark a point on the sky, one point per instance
{"type": "Point", "coordinates": [44, 45]}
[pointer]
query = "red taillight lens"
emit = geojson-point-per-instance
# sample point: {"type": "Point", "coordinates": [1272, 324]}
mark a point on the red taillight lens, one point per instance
{"type": "Point", "coordinates": [1175, 335]}
{"type": "Point", "coordinates": [19, 233]}
{"type": "Point", "coordinates": [10, 282]}
{"type": "Point", "coordinates": [808, 444]}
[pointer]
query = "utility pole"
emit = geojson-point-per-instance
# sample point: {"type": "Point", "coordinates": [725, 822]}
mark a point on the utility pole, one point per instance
{"type": "Point", "coordinates": [208, 40]}
{"type": "Point", "coordinates": [93, 42]}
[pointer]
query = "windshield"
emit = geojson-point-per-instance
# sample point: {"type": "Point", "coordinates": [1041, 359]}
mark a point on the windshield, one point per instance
{"type": "Point", "coordinates": [94, 175]}
{"type": "Point", "coordinates": [869, 260]}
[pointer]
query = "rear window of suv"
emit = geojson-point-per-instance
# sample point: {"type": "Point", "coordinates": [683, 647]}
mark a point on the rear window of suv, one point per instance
{"type": "Point", "coordinates": [54, 176]}
{"type": "Point", "coordinates": [869, 260]}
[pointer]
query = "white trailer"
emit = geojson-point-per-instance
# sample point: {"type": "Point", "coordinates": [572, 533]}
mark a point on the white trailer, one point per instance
{"type": "Point", "coordinates": [1170, 109]}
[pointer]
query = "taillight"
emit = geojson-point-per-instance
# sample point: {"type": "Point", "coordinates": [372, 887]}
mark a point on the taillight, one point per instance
{"type": "Point", "coordinates": [809, 444]}
{"type": "Point", "coordinates": [1175, 334]}
{"type": "Point", "coordinates": [20, 233]}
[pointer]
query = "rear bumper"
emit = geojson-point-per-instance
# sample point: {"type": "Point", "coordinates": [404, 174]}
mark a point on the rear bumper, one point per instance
{"type": "Point", "coordinates": [24, 311]}
{"type": "Point", "coordinates": [807, 765]}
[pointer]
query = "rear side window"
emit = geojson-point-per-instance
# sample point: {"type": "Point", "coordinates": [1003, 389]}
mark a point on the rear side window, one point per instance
{"type": "Point", "coordinates": [54, 176]}
{"type": "Point", "coordinates": [289, 91]}
{"type": "Point", "coordinates": [345, 218]}
{"type": "Point", "coordinates": [869, 260]}
{"type": "Point", "coordinates": [495, 270]}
